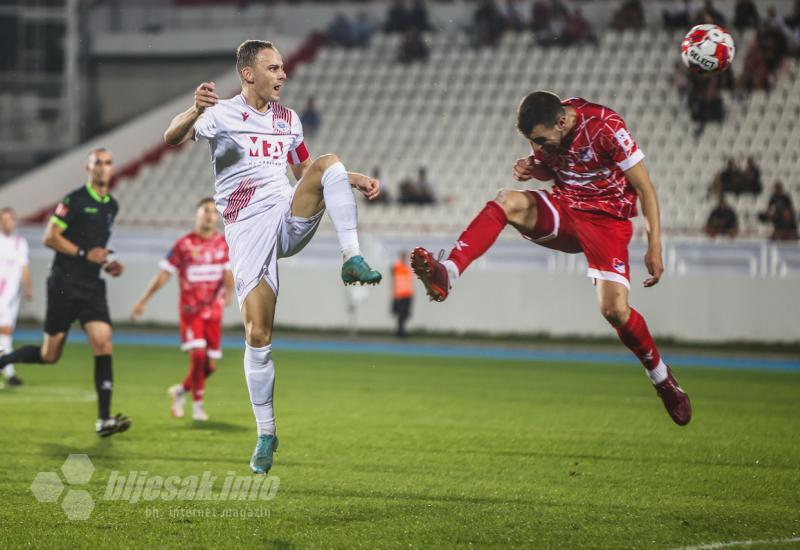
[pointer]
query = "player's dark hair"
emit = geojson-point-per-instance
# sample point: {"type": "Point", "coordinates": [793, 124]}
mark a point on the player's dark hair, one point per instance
{"type": "Point", "coordinates": [247, 51]}
{"type": "Point", "coordinates": [204, 201]}
{"type": "Point", "coordinates": [536, 108]}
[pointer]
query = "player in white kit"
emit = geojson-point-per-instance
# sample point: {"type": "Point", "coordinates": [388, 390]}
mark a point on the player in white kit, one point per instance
{"type": "Point", "coordinates": [15, 279]}
{"type": "Point", "coordinates": [252, 139]}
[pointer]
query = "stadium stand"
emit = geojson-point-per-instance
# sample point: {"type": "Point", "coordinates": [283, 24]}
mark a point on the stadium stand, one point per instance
{"type": "Point", "coordinates": [377, 112]}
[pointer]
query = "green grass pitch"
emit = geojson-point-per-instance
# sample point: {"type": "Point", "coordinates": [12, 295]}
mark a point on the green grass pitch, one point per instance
{"type": "Point", "coordinates": [384, 451]}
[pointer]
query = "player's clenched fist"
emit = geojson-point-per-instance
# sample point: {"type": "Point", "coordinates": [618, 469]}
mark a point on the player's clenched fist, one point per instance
{"type": "Point", "coordinates": [523, 169]}
{"type": "Point", "coordinates": [369, 187]}
{"type": "Point", "coordinates": [205, 97]}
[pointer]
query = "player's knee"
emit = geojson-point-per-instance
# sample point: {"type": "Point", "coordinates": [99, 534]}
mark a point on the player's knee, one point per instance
{"type": "Point", "coordinates": [326, 161]}
{"type": "Point", "coordinates": [513, 202]}
{"type": "Point", "coordinates": [103, 347]}
{"type": "Point", "coordinates": [51, 356]}
{"type": "Point", "coordinates": [616, 314]}
{"type": "Point", "coordinates": [258, 336]}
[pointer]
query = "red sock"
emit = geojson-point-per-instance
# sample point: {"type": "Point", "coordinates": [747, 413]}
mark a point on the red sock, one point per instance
{"type": "Point", "coordinates": [636, 336]}
{"type": "Point", "coordinates": [197, 373]}
{"type": "Point", "coordinates": [479, 235]}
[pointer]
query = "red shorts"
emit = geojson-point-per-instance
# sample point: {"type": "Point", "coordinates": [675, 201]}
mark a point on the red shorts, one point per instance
{"type": "Point", "coordinates": [603, 239]}
{"type": "Point", "coordinates": [198, 332]}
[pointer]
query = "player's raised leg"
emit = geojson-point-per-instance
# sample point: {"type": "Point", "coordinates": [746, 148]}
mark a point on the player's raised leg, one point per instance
{"type": "Point", "coordinates": [49, 352]}
{"type": "Point", "coordinates": [517, 208]}
{"type": "Point", "coordinates": [632, 329]}
{"type": "Point", "coordinates": [258, 311]}
{"type": "Point", "coordinates": [6, 345]}
{"type": "Point", "coordinates": [99, 336]}
{"type": "Point", "coordinates": [327, 185]}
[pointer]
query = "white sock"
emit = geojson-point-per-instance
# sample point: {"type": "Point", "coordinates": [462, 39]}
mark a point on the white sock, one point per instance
{"type": "Point", "coordinates": [197, 405]}
{"type": "Point", "coordinates": [6, 342]}
{"type": "Point", "coordinates": [341, 206]}
{"type": "Point", "coordinates": [259, 371]}
{"type": "Point", "coordinates": [658, 374]}
{"type": "Point", "coordinates": [452, 272]}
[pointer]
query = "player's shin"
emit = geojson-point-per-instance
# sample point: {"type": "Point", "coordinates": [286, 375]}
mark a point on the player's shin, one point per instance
{"type": "Point", "coordinates": [25, 354]}
{"type": "Point", "coordinates": [103, 383]}
{"type": "Point", "coordinates": [197, 373]}
{"type": "Point", "coordinates": [636, 336]}
{"type": "Point", "coordinates": [341, 206]}
{"type": "Point", "coordinates": [259, 371]}
{"type": "Point", "coordinates": [478, 237]}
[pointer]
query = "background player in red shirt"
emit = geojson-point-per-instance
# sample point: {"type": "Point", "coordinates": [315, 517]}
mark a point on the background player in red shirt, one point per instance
{"type": "Point", "coordinates": [598, 172]}
{"type": "Point", "coordinates": [206, 286]}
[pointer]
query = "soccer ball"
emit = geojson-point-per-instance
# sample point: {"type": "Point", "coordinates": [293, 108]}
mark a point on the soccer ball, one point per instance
{"type": "Point", "coordinates": [707, 49]}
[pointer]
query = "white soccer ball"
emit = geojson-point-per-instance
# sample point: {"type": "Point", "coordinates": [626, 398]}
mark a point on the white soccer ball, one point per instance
{"type": "Point", "coordinates": [707, 49]}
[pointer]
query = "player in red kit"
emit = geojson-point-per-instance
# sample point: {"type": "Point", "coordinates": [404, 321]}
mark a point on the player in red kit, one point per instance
{"type": "Point", "coordinates": [201, 261]}
{"type": "Point", "coordinates": [599, 173]}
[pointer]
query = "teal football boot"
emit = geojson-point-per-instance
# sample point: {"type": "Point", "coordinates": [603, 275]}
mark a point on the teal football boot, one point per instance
{"type": "Point", "coordinates": [261, 461]}
{"type": "Point", "coordinates": [356, 270]}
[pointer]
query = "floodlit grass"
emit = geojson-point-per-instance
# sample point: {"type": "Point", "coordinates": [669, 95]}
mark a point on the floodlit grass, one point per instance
{"type": "Point", "coordinates": [382, 451]}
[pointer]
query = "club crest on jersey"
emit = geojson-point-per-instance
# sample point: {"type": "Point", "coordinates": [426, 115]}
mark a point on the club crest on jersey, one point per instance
{"type": "Point", "coordinates": [618, 265]}
{"type": "Point", "coordinates": [281, 125]}
{"type": "Point", "coordinates": [245, 116]}
{"type": "Point", "coordinates": [585, 154]}
{"type": "Point", "coordinates": [239, 286]}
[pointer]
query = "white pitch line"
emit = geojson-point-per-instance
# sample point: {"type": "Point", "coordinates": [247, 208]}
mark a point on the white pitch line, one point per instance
{"type": "Point", "coordinates": [715, 545]}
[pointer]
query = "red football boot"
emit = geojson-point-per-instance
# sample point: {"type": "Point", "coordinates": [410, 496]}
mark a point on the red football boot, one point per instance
{"type": "Point", "coordinates": [675, 400]}
{"type": "Point", "coordinates": [432, 273]}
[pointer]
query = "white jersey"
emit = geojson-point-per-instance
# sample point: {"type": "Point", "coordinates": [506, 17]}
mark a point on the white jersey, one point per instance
{"type": "Point", "coordinates": [250, 151]}
{"type": "Point", "coordinates": [13, 258]}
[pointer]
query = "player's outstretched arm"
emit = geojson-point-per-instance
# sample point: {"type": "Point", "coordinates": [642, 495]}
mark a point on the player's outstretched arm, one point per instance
{"type": "Point", "coordinates": [640, 179]}
{"type": "Point", "coordinates": [26, 283]}
{"type": "Point", "coordinates": [155, 285]}
{"type": "Point", "coordinates": [182, 126]}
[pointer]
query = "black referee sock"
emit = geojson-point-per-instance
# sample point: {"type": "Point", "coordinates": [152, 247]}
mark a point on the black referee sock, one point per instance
{"type": "Point", "coordinates": [103, 378]}
{"type": "Point", "coordinates": [25, 354]}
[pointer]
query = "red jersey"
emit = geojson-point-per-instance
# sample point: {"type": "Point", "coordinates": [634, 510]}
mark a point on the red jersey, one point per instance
{"type": "Point", "coordinates": [201, 265]}
{"type": "Point", "coordinates": [589, 174]}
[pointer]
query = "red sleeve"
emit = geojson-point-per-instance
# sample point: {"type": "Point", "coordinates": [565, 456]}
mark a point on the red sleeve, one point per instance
{"type": "Point", "coordinates": [616, 142]}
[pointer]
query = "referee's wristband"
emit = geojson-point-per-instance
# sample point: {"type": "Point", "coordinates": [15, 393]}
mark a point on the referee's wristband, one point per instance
{"type": "Point", "coordinates": [81, 253]}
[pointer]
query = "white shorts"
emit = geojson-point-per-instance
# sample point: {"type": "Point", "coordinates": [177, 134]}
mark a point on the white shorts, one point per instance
{"type": "Point", "coordinates": [9, 309]}
{"type": "Point", "coordinates": [256, 244]}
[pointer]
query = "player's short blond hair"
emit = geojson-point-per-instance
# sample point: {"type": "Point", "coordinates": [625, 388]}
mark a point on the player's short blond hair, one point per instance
{"type": "Point", "coordinates": [97, 150]}
{"type": "Point", "coordinates": [247, 52]}
{"type": "Point", "coordinates": [203, 202]}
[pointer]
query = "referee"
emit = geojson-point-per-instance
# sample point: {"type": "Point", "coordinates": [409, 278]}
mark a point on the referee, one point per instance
{"type": "Point", "coordinates": [79, 232]}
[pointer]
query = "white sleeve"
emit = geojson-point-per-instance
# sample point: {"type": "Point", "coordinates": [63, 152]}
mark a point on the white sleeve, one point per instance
{"type": "Point", "coordinates": [206, 126]}
{"type": "Point", "coordinates": [25, 252]}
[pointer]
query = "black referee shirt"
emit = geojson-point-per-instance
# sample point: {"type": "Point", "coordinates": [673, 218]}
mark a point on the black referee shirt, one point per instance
{"type": "Point", "coordinates": [86, 218]}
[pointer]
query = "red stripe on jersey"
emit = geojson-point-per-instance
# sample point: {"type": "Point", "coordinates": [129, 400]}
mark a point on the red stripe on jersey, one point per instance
{"type": "Point", "coordinates": [239, 199]}
{"type": "Point", "coordinates": [299, 155]}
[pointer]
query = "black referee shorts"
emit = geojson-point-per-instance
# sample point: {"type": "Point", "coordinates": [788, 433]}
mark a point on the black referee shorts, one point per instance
{"type": "Point", "coordinates": [68, 301]}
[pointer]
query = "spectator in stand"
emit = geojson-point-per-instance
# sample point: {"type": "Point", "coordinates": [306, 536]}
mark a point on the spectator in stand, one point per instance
{"type": "Point", "coordinates": [763, 58]}
{"type": "Point", "coordinates": [514, 15]}
{"type": "Point", "coordinates": [413, 48]}
{"type": "Point", "coordinates": [541, 13]}
{"type": "Point", "coordinates": [489, 24]}
{"type": "Point", "coordinates": [399, 17]}
{"type": "Point", "coordinates": [746, 15]}
{"type": "Point", "coordinates": [417, 191]}
{"type": "Point", "coordinates": [710, 14]}
{"type": "Point", "coordinates": [779, 25]}
{"type": "Point", "coordinates": [363, 29]}
{"type": "Point", "coordinates": [310, 118]}
{"type": "Point", "coordinates": [578, 30]}
{"type": "Point", "coordinates": [340, 32]}
{"type": "Point", "coordinates": [705, 101]}
{"type": "Point", "coordinates": [727, 180]}
{"type": "Point", "coordinates": [629, 16]}
{"type": "Point", "coordinates": [680, 15]}
{"type": "Point", "coordinates": [751, 178]}
{"type": "Point", "coordinates": [722, 221]}
{"type": "Point", "coordinates": [418, 17]}
{"type": "Point", "coordinates": [780, 212]}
